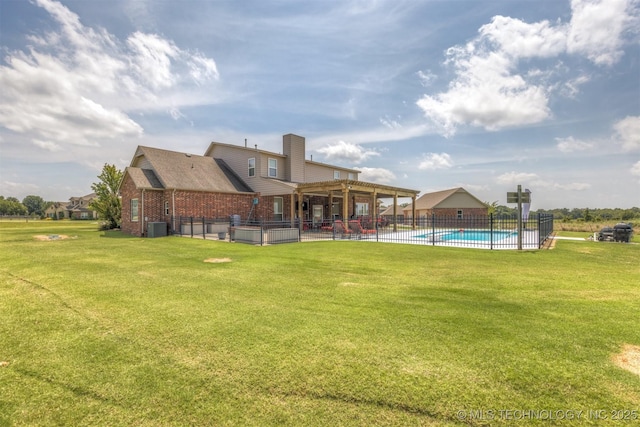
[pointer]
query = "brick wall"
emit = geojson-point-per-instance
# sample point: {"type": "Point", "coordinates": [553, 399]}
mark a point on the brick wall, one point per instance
{"type": "Point", "coordinates": [195, 204]}
{"type": "Point", "coordinates": [128, 191]}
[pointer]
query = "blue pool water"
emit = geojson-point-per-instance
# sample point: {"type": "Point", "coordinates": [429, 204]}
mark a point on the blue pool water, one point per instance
{"type": "Point", "coordinates": [471, 235]}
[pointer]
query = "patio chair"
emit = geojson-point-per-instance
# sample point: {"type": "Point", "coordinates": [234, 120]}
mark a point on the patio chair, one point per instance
{"type": "Point", "coordinates": [355, 226]}
{"type": "Point", "coordinates": [340, 228]}
{"type": "Point", "coordinates": [326, 226]}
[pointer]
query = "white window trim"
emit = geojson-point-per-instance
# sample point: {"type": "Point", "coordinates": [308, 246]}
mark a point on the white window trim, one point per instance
{"type": "Point", "coordinates": [274, 168]}
{"type": "Point", "coordinates": [336, 174]}
{"type": "Point", "coordinates": [276, 205]}
{"type": "Point", "coordinates": [251, 169]}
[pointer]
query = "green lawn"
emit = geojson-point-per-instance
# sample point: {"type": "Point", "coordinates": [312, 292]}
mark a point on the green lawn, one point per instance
{"type": "Point", "coordinates": [106, 329]}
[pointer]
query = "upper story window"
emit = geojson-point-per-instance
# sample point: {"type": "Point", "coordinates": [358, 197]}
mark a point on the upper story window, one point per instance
{"type": "Point", "coordinates": [273, 168]}
{"type": "Point", "coordinates": [336, 174]}
{"type": "Point", "coordinates": [459, 214]}
{"type": "Point", "coordinates": [252, 166]}
{"type": "Point", "coordinates": [352, 176]}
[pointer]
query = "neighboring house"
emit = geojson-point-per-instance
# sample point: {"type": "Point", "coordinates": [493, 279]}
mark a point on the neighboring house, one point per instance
{"type": "Point", "coordinates": [75, 208]}
{"type": "Point", "coordinates": [78, 207]}
{"type": "Point", "coordinates": [163, 186]}
{"type": "Point", "coordinates": [387, 213]}
{"type": "Point", "coordinates": [57, 210]}
{"type": "Point", "coordinates": [455, 202]}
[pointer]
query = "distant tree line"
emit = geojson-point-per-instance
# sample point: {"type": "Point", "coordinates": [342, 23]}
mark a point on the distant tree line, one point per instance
{"type": "Point", "coordinates": [30, 205]}
{"type": "Point", "coordinates": [575, 214]}
{"type": "Point", "coordinates": [107, 202]}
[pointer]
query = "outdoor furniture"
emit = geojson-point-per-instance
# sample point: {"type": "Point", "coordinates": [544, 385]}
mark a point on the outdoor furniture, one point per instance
{"type": "Point", "coordinates": [355, 226]}
{"type": "Point", "coordinates": [326, 227]}
{"type": "Point", "coordinates": [340, 228]}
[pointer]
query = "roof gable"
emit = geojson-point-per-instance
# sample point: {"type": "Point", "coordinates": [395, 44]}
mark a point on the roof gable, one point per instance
{"type": "Point", "coordinates": [174, 170]}
{"type": "Point", "coordinates": [439, 199]}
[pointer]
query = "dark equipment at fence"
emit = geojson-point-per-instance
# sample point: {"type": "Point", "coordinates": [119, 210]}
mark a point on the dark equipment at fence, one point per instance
{"type": "Point", "coordinates": [622, 232]}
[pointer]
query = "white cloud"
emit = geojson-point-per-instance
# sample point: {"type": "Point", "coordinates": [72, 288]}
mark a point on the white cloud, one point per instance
{"type": "Point", "coordinates": [533, 180]}
{"type": "Point", "coordinates": [518, 39]}
{"type": "Point", "coordinates": [572, 87]}
{"type": "Point", "coordinates": [433, 161]}
{"type": "Point", "coordinates": [426, 77]}
{"type": "Point", "coordinates": [47, 145]}
{"type": "Point", "coordinates": [486, 92]}
{"type": "Point", "coordinates": [346, 152]}
{"type": "Point", "coordinates": [516, 178]}
{"type": "Point", "coordinates": [379, 175]}
{"type": "Point", "coordinates": [570, 144]}
{"type": "Point", "coordinates": [76, 85]}
{"type": "Point", "coordinates": [596, 29]}
{"type": "Point", "coordinates": [390, 123]}
{"type": "Point", "coordinates": [492, 92]}
{"type": "Point", "coordinates": [627, 133]}
{"type": "Point", "coordinates": [152, 58]}
{"type": "Point", "coordinates": [572, 186]}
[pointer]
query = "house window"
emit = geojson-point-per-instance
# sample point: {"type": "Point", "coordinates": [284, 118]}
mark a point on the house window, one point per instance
{"type": "Point", "coordinates": [166, 207]}
{"type": "Point", "coordinates": [273, 168]}
{"type": "Point", "coordinates": [84, 215]}
{"type": "Point", "coordinates": [134, 210]}
{"type": "Point", "coordinates": [352, 176]}
{"type": "Point", "coordinates": [252, 167]}
{"type": "Point", "coordinates": [277, 208]}
{"type": "Point", "coordinates": [362, 209]}
{"type": "Point", "coordinates": [459, 213]}
{"type": "Point", "coordinates": [336, 174]}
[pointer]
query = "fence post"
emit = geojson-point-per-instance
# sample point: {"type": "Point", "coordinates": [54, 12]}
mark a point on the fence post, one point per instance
{"type": "Point", "coordinates": [539, 231]}
{"type": "Point", "coordinates": [191, 221]}
{"type": "Point", "coordinates": [433, 228]}
{"type": "Point", "coordinates": [261, 234]}
{"type": "Point", "coordinates": [491, 228]}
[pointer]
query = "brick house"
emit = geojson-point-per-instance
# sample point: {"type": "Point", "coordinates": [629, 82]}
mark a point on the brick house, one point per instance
{"type": "Point", "coordinates": [258, 185]}
{"type": "Point", "coordinates": [78, 207]}
{"type": "Point", "coordinates": [57, 210]}
{"type": "Point", "coordinates": [75, 208]}
{"type": "Point", "coordinates": [455, 202]}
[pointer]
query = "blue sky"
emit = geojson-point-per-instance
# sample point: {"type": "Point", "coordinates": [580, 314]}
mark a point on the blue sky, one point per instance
{"type": "Point", "coordinates": [426, 95]}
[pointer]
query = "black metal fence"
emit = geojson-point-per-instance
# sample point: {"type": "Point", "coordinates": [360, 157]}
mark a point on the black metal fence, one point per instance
{"type": "Point", "coordinates": [486, 232]}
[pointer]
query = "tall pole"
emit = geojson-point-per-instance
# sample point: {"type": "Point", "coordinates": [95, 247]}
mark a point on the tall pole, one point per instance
{"type": "Point", "coordinates": [519, 217]}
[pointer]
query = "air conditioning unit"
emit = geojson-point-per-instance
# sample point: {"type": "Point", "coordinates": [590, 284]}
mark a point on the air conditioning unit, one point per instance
{"type": "Point", "coordinates": [156, 229]}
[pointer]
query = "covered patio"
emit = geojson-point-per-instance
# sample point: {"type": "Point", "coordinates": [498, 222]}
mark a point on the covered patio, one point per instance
{"type": "Point", "coordinates": [348, 190]}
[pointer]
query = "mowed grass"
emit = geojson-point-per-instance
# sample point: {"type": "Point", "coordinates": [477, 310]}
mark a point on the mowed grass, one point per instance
{"type": "Point", "coordinates": [105, 329]}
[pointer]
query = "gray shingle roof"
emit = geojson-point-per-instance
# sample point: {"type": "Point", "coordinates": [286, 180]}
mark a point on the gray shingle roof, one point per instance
{"type": "Point", "coordinates": [170, 169]}
{"type": "Point", "coordinates": [432, 200]}
{"type": "Point", "coordinates": [144, 178]}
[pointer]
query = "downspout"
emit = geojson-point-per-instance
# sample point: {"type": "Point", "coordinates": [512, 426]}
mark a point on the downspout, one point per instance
{"type": "Point", "coordinates": [142, 215]}
{"type": "Point", "coordinates": [173, 204]}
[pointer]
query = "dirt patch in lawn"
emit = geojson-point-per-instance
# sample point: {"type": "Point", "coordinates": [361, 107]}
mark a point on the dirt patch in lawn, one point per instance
{"type": "Point", "coordinates": [217, 260]}
{"type": "Point", "coordinates": [51, 237]}
{"type": "Point", "coordinates": [628, 358]}
{"type": "Point", "coordinates": [550, 243]}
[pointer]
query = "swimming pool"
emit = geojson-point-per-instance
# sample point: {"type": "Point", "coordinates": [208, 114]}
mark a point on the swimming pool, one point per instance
{"type": "Point", "coordinates": [469, 235]}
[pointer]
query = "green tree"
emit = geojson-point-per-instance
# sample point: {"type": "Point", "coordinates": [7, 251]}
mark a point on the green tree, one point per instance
{"type": "Point", "coordinates": [107, 203]}
{"type": "Point", "coordinates": [11, 206]}
{"type": "Point", "coordinates": [491, 207]}
{"type": "Point", "coordinates": [35, 205]}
